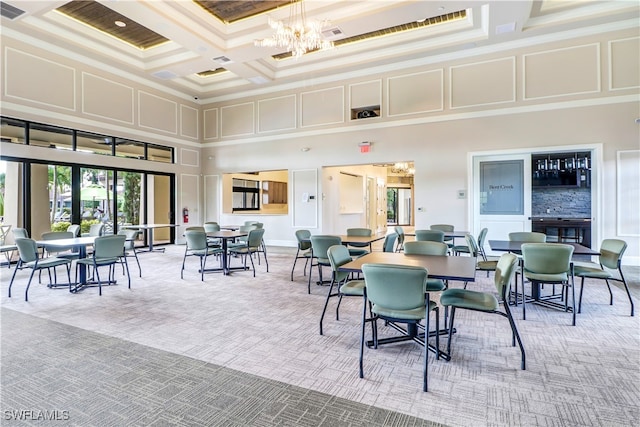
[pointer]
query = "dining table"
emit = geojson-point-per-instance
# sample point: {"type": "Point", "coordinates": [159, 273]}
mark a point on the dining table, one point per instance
{"type": "Point", "coordinates": [447, 268]}
{"type": "Point", "coordinates": [225, 236]}
{"type": "Point", "coordinates": [149, 228]}
{"type": "Point", "coordinates": [77, 244]}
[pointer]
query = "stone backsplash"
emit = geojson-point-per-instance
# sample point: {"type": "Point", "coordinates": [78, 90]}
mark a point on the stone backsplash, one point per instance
{"type": "Point", "coordinates": [561, 202]}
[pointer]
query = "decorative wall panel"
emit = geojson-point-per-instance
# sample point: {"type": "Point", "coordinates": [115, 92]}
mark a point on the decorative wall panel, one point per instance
{"type": "Point", "coordinates": [189, 157]}
{"type": "Point", "coordinates": [628, 195]}
{"type": "Point", "coordinates": [322, 107]}
{"type": "Point", "coordinates": [46, 82]}
{"type": "Point", "coordinates": [237, 120]}
{"type": "Point", "coordinates": [569, 71]}
{"type": "Point", "coordinates": [305, 198]}
{"type": "Point", "coordinates": [483, 83]}
{"type": "Point", "coordinates": [277, 113]}
{"type": "Point", "coordinates": [105, 98]}
{"type": "Point", "coordinates": [365, 94]}
{"type": "Point", "coordinates": [415, 93]}
{"type": "Point", "coordinates": [624, 63]}
{"type": "Point", "coordinates": [210, 123]}
{"type": "Point", "coordinates": [157, 113]}
{"type": "Point", "coordinates": [189, 122]}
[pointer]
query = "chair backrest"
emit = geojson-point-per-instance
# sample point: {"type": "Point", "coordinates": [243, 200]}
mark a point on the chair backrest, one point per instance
{"type": "Point", "coordinates": [20, 233]}
{"type": "Point", "coordinates": [338, 256]}
{"type": "Point", "coordinates": [259, 224]}
{"type": "Point", "coordinates": [210, 227]}
{"type": "Point", "coordinates": [481, 238]}
{"type": "Point", "coordinates": [389, 242]}
{"type": "Point", "coordinates": [395, 287]}
{"type": "Point", "coordinates": [304, 239]}
{"type": "Point", "coordinates": [109, 246]}
{"type": "Point", "coordinates": [322, 243]}
{"type": "Point", "coordinates": [27, 249]}
{"type": "Point", "coordinates": [442, 227]}
{"type": "Point", "coordinates": [75, 229]}
{"type": "Point", "coordinates": [365, 232]}
{"type": "Point", "coordinates": [425, 247]}
{"type": "Point", "coordinates": [547, 258]}
{"type": "Point", "coordinates": [196, 238]}
{"type": "Point", "coordinates": [53, 235]}
{"type": "Point", "coordinates": [505, 269]}
{"type": "Point", "coordinates": [130, 236]}
{"type": "Point", "coordinates": [472, 245]}
{"type": "Point", "coordinates": [96, 230]}
{"type": "Point", "coordinates": [400, 232]}
{"type": "Point", "coordinates": [430, 235]}
{"type": "Point", "coordinates": [251, 222]}
{"type": "Point", "coordinates": [611, 251]}
{"type": "Point", "coordinates": [527, 237]}
{"type": "Point", "coordinates": [254, 239]}
{"type": "Point", "coordinates": [195, 228]}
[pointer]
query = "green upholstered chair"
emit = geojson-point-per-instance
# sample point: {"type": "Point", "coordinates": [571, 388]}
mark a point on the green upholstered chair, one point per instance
{"type": "Point", "coordinates": [487, 302]}
{"type": "Point", "coordinates": [212, 227]}
{"type": "Point", "coordinates": [464, 249]}
{"type": "Point", "coordinates": [107, 252]}
{"type": "Point", "coordinates": [95, 230]}
{"type": "Point", "coordinates": [527, 237]}
{"type": "Point", "coordinates": [400, 232]}
{"type": "Point", "coordinates": [398, 295]}
{"type": "Point", "coordinates": [338, 256]}
{"type": "Point", "coordinates": [30, 258]}
{"type": "Point", "coordinates": [430, 236]}
{"type": "Point", "coordinates": [253, 246]}
{"type": "Point", "coordinates": [356, 249]}
{"type": "Point", "coordinates": [130, 251]}
{"type": "Point", "coordinates": [304, 250]}
{"type": "Point", "coordinates": [389, 243]}
{"type": "Point", "coordinates": [75, 229]}
{"type": "Point", "coordinates": [445, 228]}
{"type": "Point", "coordinates": [60, 252]}
{"type": "Point", "coordinates": [242, 241]}
{"type": "Point", "coordinates": [482, 264]}
{"type": "Point", "coordinates": [20, 233]}
{"type": "Point", "coordinates": [608, 268]}
{"type": "Point", "coordinates": [428, 247]}
{"type": "Point", "coordinates": [549, 263]}
{"type": "Point", "coordinates": [320, 245]}
{"type": "Point", "coordinates": [198, 246]}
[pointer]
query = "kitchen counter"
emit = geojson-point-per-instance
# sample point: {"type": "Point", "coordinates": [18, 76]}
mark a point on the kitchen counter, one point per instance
{"type": "Point", "coordinates": [564, 229]}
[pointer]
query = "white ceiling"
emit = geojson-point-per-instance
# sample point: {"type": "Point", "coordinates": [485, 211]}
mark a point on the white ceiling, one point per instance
{"type": "Point", "coordinates": [196, 37]}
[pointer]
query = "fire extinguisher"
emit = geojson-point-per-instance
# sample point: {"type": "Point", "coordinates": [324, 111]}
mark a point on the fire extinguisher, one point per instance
{"type": "Point", "coordinates": [185, 215]}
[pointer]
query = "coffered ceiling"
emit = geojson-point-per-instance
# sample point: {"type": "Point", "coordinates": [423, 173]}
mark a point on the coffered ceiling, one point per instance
{"type": "Point", "coordinates": [206, 49]}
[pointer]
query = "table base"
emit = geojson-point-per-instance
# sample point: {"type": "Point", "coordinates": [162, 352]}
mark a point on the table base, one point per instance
{"type": "Point", "coordinates": [411, 334]}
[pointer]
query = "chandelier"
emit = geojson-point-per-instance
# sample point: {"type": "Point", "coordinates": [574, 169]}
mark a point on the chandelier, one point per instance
{"type": "Point", "coordinates": [403, 168]}
{"type": "Point", "coordinates": [297, 35]}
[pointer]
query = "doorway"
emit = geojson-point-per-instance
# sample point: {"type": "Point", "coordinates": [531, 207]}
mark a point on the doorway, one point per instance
{"type": "Point", "coordinates": [399, 206]}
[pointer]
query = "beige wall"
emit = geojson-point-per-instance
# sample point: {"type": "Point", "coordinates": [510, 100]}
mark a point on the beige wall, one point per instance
{"type": "Point", "coordinates": [570, 93]}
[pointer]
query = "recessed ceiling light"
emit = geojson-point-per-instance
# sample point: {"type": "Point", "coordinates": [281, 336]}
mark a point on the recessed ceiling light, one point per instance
{"type": "Point", "coordinates": [120, 24]}
{"type": "Point", "coordinates": [421, 20]}
{"type": "Point", "coordinates": [441, 8]}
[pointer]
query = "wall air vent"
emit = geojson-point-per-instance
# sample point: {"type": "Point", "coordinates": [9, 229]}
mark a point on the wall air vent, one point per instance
{"type": "Point", "coordinates": [332, 33]}
{"type": "Point", "coordinates": [9, 11]}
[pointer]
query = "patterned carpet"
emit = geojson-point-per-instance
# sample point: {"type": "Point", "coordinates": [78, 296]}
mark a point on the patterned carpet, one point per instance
{"type": "Point", "coordinates": [245, 351]}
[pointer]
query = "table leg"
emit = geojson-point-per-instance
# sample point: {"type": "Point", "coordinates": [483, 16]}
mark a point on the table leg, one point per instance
{"type": "Point", "coordinates": [225, 255]}
{"type": "Point", "coordinates": [82, 253]}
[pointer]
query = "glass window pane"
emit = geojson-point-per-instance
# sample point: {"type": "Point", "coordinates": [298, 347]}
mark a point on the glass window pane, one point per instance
{"type": "Point", "coordinates": [129, 149]}
{"type": "Point", "coordinates": [502, 188]}
{"type": "Point", "coordinates": [96, 199]}
{"type": "Point", "coordinates": [50, 136]}
{"type": "Point", "coordinates": [59, 197]}
{"type": "Point", "coordinates": [158, 153]}
{"type": "Point", "coordinates": [93, 143]}
{"type": "Point", "coordinates": [13, 131]}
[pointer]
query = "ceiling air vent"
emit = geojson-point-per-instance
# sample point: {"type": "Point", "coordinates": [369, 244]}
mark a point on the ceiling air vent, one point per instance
{"type": "Point", "coordinates": [222, 60]}
{"type": "Point", "coordinates": [9, 11]}
{"type": "Point", "coordinates": [332, 33]}
{"type": "Point", "coordinates": [165, 75]}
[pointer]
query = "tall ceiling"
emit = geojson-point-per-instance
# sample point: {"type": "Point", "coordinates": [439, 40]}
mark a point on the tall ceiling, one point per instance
{"type": "Point", "coordinates": [206, 49]}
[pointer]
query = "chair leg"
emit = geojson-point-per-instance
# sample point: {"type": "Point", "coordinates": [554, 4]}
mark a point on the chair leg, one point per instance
{"type": "Point", "coordinates": [15, 270]}
{"type": "Point", "coordinates": [580, 297]}
{"type": "Point", "coordinates": [294, 263]}
{"type": "Point", "coordinates": [453, 314]}
{"type": "Point", "coordinates": [326, 303]}
{"type": "Point", "coordinates": [250, 255]}
{"type": "Point", "coordinates": [95, 268]}
{"type": "Point", "coordinates": [610, 293]}
{"type": "Point", "coordinates": [364, 321]}
{"type": "Point", "coordinates": [183, 260]}
{"type": "Point", "coordinates": [135, 254]}
{"type": "Point", "coordinates": [426, 348]}
{"type": "Point", "coordinates": [626, 288]}
{"type": "Point", "coordinates": [126, 265]}
{"type": "Point", "coordinates": [26, 291]}
{"type": "Point", "coordinates": [437, 311]}
{"type": "Point", "coordinates": [514, 333]}
{"type": "Point", "coordinates": [573, 300]}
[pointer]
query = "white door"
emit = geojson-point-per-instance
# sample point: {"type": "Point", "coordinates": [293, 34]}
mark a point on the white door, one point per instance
{"type": "Point", "coordinates": [501, 195]}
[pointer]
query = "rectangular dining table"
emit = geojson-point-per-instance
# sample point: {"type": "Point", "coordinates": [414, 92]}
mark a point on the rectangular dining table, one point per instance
{"type": "Point", "coordinates": [438, 267]}
{"type": "Point", "coordinates": [150, 228]}
{"type": "Point", "coordinates": [77, 244]}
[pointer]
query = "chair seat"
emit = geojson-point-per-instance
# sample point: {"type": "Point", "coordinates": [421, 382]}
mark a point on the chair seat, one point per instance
{"type": "Point", "coordinates": [242, 250]}
{"type": "Point", "coordinates": [545, 277]}
{"type": "Point", "coordinates": [401, 315]}
{"type": "Point", "coordinates": [591, 270]}
{"type": "Point", "coordinates": [435, 285]}
{"type": "Point", "coordinates": [48, 262]}
{"type": "Point", "coordinates": [461, 249]}
{"type": "Point", "coordinates": [358, 252]}
{"type": "Point", "coordinates": [99, 261]}
{"type": "Point", "coordinates": [487, 265]}
{"type": "Point", "coordinates": [469, 299]}
{"type": "Point", "coordinates": [353, 287]}
{"type": "Point", "coordinates": [209, 251]}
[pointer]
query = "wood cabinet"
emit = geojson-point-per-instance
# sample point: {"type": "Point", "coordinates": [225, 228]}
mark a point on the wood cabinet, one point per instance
{"type": "Point", "coordinates": [274, 192]}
